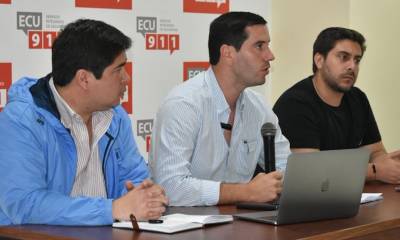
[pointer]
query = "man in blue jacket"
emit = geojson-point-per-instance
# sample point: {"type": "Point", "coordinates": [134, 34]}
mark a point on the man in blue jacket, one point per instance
{"type": "Point", "coordinates": [67, 153]}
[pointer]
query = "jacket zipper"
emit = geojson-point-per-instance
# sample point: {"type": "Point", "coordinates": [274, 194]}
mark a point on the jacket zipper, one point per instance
{"type": "Point", "coordinates": [107, 153]}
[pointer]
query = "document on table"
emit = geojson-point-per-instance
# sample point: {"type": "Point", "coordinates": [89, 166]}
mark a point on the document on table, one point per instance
{"type": "Point", "coordinates": [177, 222]}
{"type": "Point", "coordinates": [370, 197]}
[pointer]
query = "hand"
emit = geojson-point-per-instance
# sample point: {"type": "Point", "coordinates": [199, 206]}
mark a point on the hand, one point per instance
{"type": "Point", "coordinates": [388, 168]}
{"type": "Point", "coordinates": [147, 201]}
{"type": "Point", "coordinates": [265, 187]}
{"type": "Point", "coordinates": [146, 183]}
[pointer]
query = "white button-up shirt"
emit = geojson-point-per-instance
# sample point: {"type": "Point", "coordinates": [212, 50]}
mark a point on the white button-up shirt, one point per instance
{"type": "Point", "coordinates": [189, 155]}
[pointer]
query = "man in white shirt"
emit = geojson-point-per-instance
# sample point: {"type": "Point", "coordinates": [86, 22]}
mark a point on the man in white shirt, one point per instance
{"type": "Point", "coordinates": [206, 140]}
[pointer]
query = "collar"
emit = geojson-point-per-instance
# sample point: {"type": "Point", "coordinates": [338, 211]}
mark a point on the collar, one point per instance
{"type": "Point", "coordinates": [67, 114]}
{"type": "Point", "coordinates": [219, 97]}
{"type": "Point", "coordinates": [43, 97]}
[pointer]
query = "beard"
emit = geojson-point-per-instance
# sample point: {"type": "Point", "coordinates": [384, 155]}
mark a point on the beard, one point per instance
{"type": "Point", "coordinates": [333, 82]}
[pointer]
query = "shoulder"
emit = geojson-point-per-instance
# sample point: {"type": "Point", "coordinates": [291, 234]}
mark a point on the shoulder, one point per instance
{"type": "Point", "coordinates": [356, 93]}
{"type": "Point", "coordinates": [255, 100]}
{"type": "Point", "coordinates": [20, 108]}
{"type": "Point", "coordinates": [358, 100]}
{"type": "Point", "coordinates": [19, 115]}
{"type": "Point", "coordinates": [120, 119]}
{"type": "Point", "coordinates": [23, 123]}
{"type": "Point", "coordinates": [20, 90]}
{"type": "Point", "coordinates": [190, 88]}
{"type": "Point", "coordinates": [301, 93]}
{"type": "Point", "coordinates": [300, 90]}
{"type": "Point", "coordinates": [192, 93]}
{"type": "Point", "coordinates": [256, 108]}
{"type": "Point", "coordinates": [120, 112]}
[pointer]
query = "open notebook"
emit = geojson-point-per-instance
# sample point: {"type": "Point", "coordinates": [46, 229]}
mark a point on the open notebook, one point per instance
{"type": "Point", "coordinates": [177, 222]}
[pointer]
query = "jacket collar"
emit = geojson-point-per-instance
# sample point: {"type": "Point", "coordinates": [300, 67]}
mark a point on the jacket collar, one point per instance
{"type": "Point", "coordinates": [43, 97]}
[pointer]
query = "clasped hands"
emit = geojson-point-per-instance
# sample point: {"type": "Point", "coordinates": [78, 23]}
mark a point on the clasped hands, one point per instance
{"type": "Point", "coordinates": [146, 201]}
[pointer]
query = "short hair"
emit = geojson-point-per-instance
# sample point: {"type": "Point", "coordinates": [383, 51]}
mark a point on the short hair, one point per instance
{"type": "Point", "coordinates": [86, 44]}
{"type": "Point", "coordinates": [327, 39]}
{"type": "Point", "coordinates": [229, 28]}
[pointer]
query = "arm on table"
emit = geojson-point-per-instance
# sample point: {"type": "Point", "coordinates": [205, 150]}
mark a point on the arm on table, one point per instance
{"type": "Point", "coordinates": [387, 165]}
{"type": "Point", "coordinates": [262, 188]}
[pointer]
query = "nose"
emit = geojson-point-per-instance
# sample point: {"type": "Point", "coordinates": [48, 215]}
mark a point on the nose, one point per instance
{"type": "Point", "coordinates": [269, 56]}
{"type": "Point", "coordinates": [352, 64]}
{"type": "Point", "coordinates": [125, 77]}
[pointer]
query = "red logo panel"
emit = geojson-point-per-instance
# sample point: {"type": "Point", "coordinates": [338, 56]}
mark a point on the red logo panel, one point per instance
{"type": "Point", "coordinates": [191, 69]}
{"type": "Point", "coordinates": [5, 1]}
{"type": "Point", "coordinates": [126, 102]}
{"type": "Point", "coordinates": [35, 39]}
{"type": "Point", "coordinates": [41, 39]}
{"type": "Point", "coordinates": [113, 4]}
{"type": "Point", "coordinates": [206, 6]}
{"type": "Point", "coordinates": [5, 82]}
{"type": "Point", "coordinates": [156, 41]}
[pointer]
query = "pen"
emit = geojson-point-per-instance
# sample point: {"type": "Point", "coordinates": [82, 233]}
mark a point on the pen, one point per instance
{"type": "Point", "coordinates": [135, 225]}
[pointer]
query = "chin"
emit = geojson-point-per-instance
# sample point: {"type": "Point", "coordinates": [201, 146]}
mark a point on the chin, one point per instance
{"type": "Point", "coordinates": [345, 89]}
{"type": "Point", "coordinates": [261, 82]}
{"type": "Point", "coordinates": [115, 103]}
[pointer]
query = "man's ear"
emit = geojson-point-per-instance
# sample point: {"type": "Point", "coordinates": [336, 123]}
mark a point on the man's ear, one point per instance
{"type": "Point", "coordinates": [227, 53]}
{"type": "Point", "coordinates": [319, 60]}
{"type": "Point", "coordinates": [82, 78]}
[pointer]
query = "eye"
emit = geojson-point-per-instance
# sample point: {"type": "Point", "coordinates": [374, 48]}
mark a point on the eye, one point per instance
{"type": "Point", "coordinates": [259, 45]}
{"type": "Point", "coordinates": [118, 70]}
{"type": "Point", "coordinates": [343, 57]}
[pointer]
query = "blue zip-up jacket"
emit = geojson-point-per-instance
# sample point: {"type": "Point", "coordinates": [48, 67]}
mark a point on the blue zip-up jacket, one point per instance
{"type": "Point", "coordinates": [38, 161]}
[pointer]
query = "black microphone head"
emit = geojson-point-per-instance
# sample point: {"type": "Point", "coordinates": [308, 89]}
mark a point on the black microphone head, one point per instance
{"type": "Point", "coordinates": [268, 129]}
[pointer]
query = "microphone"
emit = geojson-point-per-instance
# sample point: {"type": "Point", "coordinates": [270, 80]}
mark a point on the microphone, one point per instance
{"type": "Point", "coordinates": [268, 132]}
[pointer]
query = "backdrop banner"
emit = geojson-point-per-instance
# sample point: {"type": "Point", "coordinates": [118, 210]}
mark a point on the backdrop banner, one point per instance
{"type": "Point", "coordinates": [169, 44]}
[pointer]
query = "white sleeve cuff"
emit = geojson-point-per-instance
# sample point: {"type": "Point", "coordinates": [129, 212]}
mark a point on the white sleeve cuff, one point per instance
{"type": "Point", "coordinates": [210, 192]}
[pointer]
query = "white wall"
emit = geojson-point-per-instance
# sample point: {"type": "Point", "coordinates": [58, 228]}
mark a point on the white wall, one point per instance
{"type": "Point", "coordinates": [379, 22]}
{"type": "Point", "coordinates": [295, 25]}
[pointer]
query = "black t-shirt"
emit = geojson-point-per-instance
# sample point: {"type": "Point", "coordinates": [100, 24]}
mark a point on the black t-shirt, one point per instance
{"type": "Point", "coordinates": [308, 122]}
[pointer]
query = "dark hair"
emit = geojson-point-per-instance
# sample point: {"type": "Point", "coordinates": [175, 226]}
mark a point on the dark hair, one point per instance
{"type": "Point", "coordinates": [327, 39]}
{"type": "Point", "coordinates": [86, 44]}
{"type": "Point", "coordinates": [229, 28]}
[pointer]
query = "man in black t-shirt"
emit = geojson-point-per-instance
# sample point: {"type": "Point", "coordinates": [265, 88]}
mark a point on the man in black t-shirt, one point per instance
{"type": "Point", "coordinates": [326, 112]}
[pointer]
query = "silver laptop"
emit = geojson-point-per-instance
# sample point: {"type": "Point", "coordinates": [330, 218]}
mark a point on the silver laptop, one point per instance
{"type": "Point", "coordinates": [318, 185]}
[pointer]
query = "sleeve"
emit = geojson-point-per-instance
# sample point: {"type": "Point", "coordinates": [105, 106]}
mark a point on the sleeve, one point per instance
{"type": "Point", "coordinates": [372, 134]}
{"type": "Point", "coordinates": [173, 143]}
{"type": "Point", "coordinates": [133, 166]}
{"type": "Point", "coordinates": [282, 146]}
{"type": "Point", "coordinates": [298, 121]}
{"type": "Point", "coordinates": [25, 195]}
